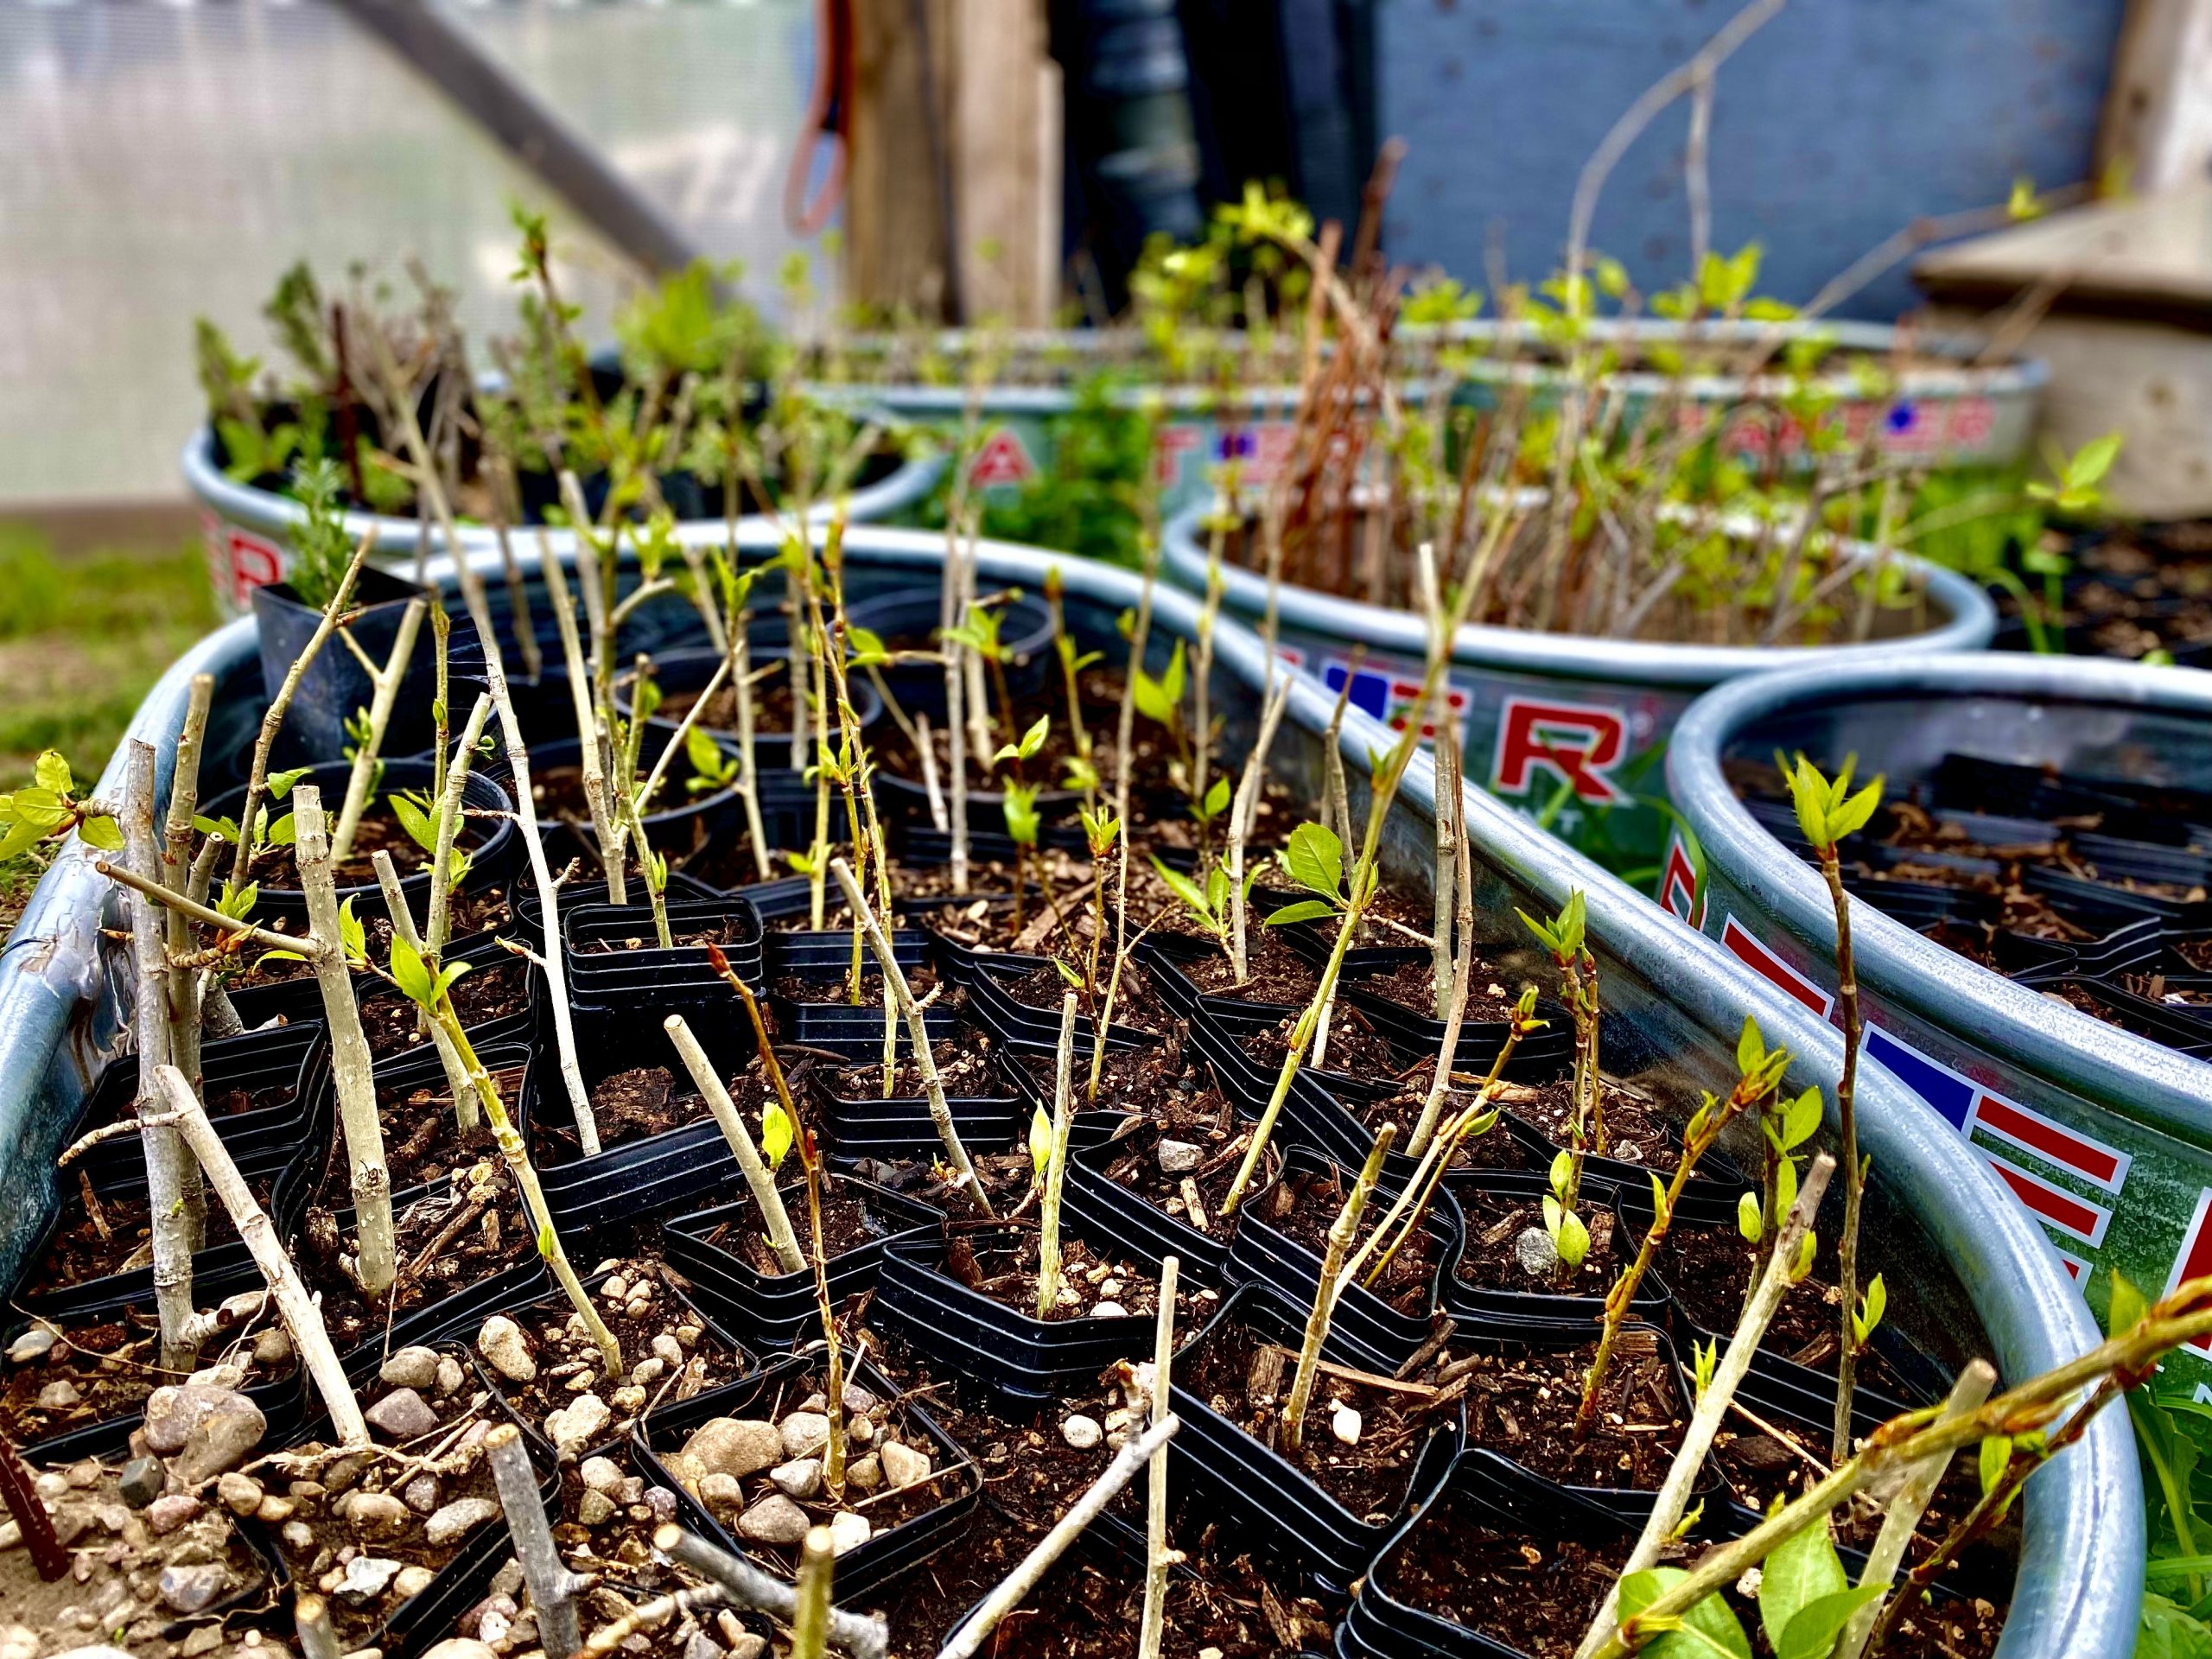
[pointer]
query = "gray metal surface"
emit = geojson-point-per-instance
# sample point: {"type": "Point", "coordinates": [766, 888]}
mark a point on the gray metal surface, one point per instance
{"type": "Point", "coordinates": [1677, 1003]}
{"type": "Point", "coordinates": [1570, 728]}
{"type": "Point", "coordinates": [247, 532]}
{"type": "Point", "coordinates": [2119, 1166]}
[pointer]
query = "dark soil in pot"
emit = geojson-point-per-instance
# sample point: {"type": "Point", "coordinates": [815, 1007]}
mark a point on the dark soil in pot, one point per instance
{"type": "Point", "coordinates": [1497, 1220]}
{"type": "Point", "coordinates": [1302, 1207]}
{"type": "Point", "coordinates": [1145, 1164]}
{"type": "Point", "coordinates": [97, 1236]}
{"type": "Point", "coordinates": [103, 1366]}
{"type": "Point", "coordinates": [965, 1071]}
{"type": "Point", "coordinates": [1638, 1130]}
{"type": "Point", "coordinates": [422, 1137]}
{"type": "Point", "coordinates": [495, 991]}
{"type": "Point", "coordinates": [1248, 1379]}
{"type": "Point", "coordinates": [1522, 1404]}
{"type": "Point", "coordinates": [1709, 1271]}
{"type": "Point", "coordinates": [1094, 1597]}
{"type": "Point", "coordinates": [1495, 1148]}
{"type": "Point", "coordinates": [835, 992]}
{"type": "Point", "coordinates": [471, 913]}
{"type": "Point", "coordinates": [845, 1223]}
{"type": "Point", "coordinates": [1001, 1264]}
{"type": "Point", "coordinates": [446, 1238]}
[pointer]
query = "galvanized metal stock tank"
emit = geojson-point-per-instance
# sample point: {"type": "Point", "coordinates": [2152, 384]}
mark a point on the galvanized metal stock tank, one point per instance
{"type": "Point", "coordinates": [1569, 729]}
{"type": "Point", "coordinates": [2104, 1135]}
{"type": "Point", "coordinates": [248, 531]}
{"type": "Point", "coordinates": [1962, 1254]}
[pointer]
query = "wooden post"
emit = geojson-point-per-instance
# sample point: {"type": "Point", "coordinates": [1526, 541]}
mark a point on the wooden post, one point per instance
{"type": "Point", "coordinates": [2158, 116]}
{"type": "Point", "coordinates": [953, 189]}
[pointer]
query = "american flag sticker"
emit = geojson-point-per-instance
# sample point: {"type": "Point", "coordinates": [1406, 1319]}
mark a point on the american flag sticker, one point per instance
{"type": "Point", "coordinates": [2195, 1259]}
{"type": "Point", "coordinates": [1748, 949]}
{"type": "Point", "coordinates": [2051, 1204]}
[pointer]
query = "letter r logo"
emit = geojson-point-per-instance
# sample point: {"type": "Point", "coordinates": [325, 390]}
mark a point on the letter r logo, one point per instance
{"type": "Point", "coordinates": [1575, 742]}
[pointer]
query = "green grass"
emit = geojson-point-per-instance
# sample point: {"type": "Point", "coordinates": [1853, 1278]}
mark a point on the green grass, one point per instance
{"type": "Point", "coordinates": [82, 640]}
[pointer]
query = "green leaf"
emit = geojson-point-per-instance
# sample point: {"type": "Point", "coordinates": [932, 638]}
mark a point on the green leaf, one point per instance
{"type": "Point", "coordinates": [1073, 978]}
{"type": "Point", "coordinates": [1996, 1457]}
{"type": "Point", "coordinates": [280, 783]}
{"type": "Point", "coordinates": [421, 827]}
{"type": "Point", "coordinates": [1803, 1569]}
{"type": "Point", "coordinates": [52, 772]}
{"type": "Point", "coordinates": [1785, 1189]}
{"type": "Point", "coordinates": [1187, 890]}
{"type": "Point", "coordinates": [22, 836]}
{"type": "Point", "coordinates": [1850, 818]}
{"type": "Point", "coordinates": [279, 955]}
{"type": "Point", "coordinates": [705, 755]}
{"type": "Point", "coordinates": [106, 834]}
{"type": "Point", "coordinates": [864, 647]}
{"type": "Point", "coordinates": [412, 975]}
{"type": "Point", "coordinates": [227, 828]}
{"type": "Point", "coordinates": [2087, 468]}
{"type": "Point", "coordinates": [1033, 738]}
{"type": "Point", "coordinates": [282, 833]}
{"type": "Point", "coordinates": [1216, 801]}
{"type": "Point", "coordinates": [1019, 806]}
{"type": "Point", "coordinates": [448, 974]}
{"type": "Point", "coordinates": [41, 807]}
{"type": "Point", "coordinates": [1561, 1172]}
{"type": "Point", "coordinates": [1800, 1119]}
{"type": "Point", "coordinates": [2167, 1631]}
{"type": "Point", "coordinates": [1812, 1633]}
{"type": "Point", "coordinates": [1172, 681]}
{"type": "Point", "coordinates": [1152, 700]}
{"type": "Point", "coordinates": [1750, 1048]}
{"type": "Point", "coordinates": [776, 1133]}
{"type": "Point", "coordinates": [1868, 1315]}
{"type": "Point", "coordinates": [1040, 1142]}
{"type": "Point", "coordinates": [1570, 1238]}
{"type": "Point", "coordinates": [1315, 859]}
{"type": "Point", "coordinates": [1707, 1630]}
{"type": "Point", "coordinates": [2127, 1306]}
{"type": "Point", "coordinates": [1305, 910]}
{"type": "Point", "coordinates": [1749, 1219]}
{"type": "Point", "coordinates": [353, 938]}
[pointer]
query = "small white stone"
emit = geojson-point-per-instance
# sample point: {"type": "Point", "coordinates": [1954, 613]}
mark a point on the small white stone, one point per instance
{"type": "Point", "coordinates": [602, 1475]}
{"type": "Point", "coordinates": [804, 1433]}
{"type": "Point", "coordinates": [1178, 1157]}
{"type": "Point", "coordinates": [1533, 1250]}
{"type": "Point", "coordinates": [849, 1531]}
{"type": "Point", "coordinates": [902, 1465]}
{"type": "Point", "coordinates": [34, 1344]}
{"type": "Point", "coordinates": [366, 1578]}
{"type": "Point", "coordinates": [1343, 1423]}
{"type": "Point", "coordinates": [801, 1478]}
{"type": "Point", "coordinates": [1109, 1311]}
{"type": "Point", "coordinates": [502, 1342]}
{"type": "Point", "coordinates": [578, 1424]}
{"type": "Point", "coordinates": [1081, 1431]}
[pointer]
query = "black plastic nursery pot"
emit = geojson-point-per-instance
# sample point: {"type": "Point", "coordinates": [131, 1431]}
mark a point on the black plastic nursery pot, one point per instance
{"type": "Point", "coordinates": [685, 826]}
{"type": "Point", "coordinates": [1285, 1513]}
{"type": "Point", "coordinates": [1798, 1391]}
{"type": "Point", "coordinates": [948, 1323]}
{"type": "Point", "coordinates": [684, 673]}
{"type": "Point", "coordinates": [1482, 1192]}
{"type": "Point", "coordinates": [335, 685]}
{"type": "Point", "coordinates": [907, 619]}
{"type": "Point", "coordinates": [299, 998]}
{"type": "Point", "coordinates": [1100, 1208]}
{"type": "Point", "coordinates": [487, 836]}
{"type": "Point", "coordinates": [867, 1567]}
{"type": "Point", "coordinates": [1388, 1621]}
{"type": "Point", "coordinates": [1262, 1254]}
{"type": "Point", "coordinates": [897, 1127]}
{"type": "Point", "coordinates": [773, 1310]}
{"type": "Point", "coordinates": [637, 1178]}
{"type": "Point", "coordinates": [1976, 1272]}
{"type": "Point", "coordinates": [432, 1612]}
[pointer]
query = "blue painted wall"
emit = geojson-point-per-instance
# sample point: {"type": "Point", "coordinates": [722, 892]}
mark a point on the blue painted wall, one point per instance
{"type": "Point", "coordinates": [1838, 124]}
